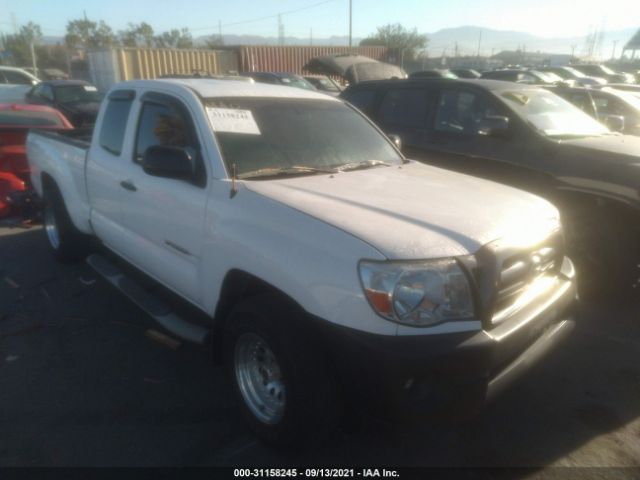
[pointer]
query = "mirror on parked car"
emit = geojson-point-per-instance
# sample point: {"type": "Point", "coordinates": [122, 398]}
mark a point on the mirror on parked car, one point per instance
{"type": "Point", "coordinates": [397, 141]}
{"type": "Point", "coordinates": [168, 162]}
{"type": "Point", "coordinates": [615, 123]}
{"type": "Point", "coordinates": [493, 125]}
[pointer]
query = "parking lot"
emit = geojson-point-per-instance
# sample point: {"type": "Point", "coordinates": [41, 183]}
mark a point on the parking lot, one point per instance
{"type": "Point", "coordinates": [82, 384]}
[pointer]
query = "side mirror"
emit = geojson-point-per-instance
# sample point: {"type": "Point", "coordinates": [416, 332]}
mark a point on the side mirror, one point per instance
{"type": "Point", "coordinates": [494, 125]}
{"type": "Point", "coordinates": [615, 123]}
{"type": "Point", "coordinates": [169, 162]}
{"type": "Point", "coordinates": [396, 140]}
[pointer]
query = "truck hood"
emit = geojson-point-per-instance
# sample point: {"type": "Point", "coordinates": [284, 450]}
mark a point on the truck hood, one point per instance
{"type": "Point", "coordinates": [416, 211]}
{"type": "Point", "coordinates": [626, 145]}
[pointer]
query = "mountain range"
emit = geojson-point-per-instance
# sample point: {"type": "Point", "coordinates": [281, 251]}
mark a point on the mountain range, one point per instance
{"type": "Point", "coordinates": [445, 40]}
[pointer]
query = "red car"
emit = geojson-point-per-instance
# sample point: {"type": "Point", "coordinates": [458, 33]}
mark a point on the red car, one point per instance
{"type": "Point", "coordinates": [15, 122]}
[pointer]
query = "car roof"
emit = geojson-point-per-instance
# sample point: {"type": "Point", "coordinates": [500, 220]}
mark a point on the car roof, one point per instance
{"type": "Point", "coordinates": [17, 70]}
{"type": "Point", "coordinates": [210, 88]}
{"type": "Point", "coordinates": [63, 83]}
{"type": "Point", "coordinates": [484, 84]}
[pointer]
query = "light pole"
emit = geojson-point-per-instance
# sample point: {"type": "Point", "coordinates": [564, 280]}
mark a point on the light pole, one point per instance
{"type": "Point", "coordinates": [350, 22]}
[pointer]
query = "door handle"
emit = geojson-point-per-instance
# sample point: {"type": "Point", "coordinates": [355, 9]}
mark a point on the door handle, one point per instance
{"type": "Point", "coordinates": [128, 185]}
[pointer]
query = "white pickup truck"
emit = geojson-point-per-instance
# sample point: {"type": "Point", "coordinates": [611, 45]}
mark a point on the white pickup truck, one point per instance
{"type": "Point", "coordinates": [327, 266]}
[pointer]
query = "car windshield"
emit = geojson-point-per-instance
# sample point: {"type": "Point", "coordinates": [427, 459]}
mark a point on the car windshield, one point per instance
{"type": "Point", "coordinates": [574, 72]}
{"type": "Point", "coordinates": [295, 81]}
{"type": "Point", "coordinates": [551, 115]}
{"type": "Point", "coordinates": [548, 77]}
{"type": "Point", "coordinates": [629, 98]}
{"type": "Point", "coordinates": [77, 93]}
{"type": "Point", "coordinates": [302, 135]}
{"type": "Point", "coordinates": [325, 84]}
{"type": "Point", "coordinates": [30, 118]}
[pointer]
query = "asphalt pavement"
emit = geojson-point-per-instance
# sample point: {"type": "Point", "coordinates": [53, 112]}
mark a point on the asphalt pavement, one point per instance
{"type": "Point", "coordinates": [82, 383]}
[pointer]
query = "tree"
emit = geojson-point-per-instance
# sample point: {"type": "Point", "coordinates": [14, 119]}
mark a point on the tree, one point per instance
{"type": "Point", "coordinates": [140, 35]}
{"type": "Point", "coordinates": [88, 34]}
{"type": "Point", "coordinates": [20, 44]}
{"type": "Point", "coordinates": [175, 39]}
{"type": "Point", "coordinates": [397, 37]}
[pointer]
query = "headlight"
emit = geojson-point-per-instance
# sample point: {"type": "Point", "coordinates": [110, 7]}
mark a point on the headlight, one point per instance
{"type": "Point", "coordinates": [419, 294]}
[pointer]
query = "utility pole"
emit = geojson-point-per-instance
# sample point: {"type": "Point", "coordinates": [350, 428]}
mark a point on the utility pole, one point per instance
{"type": "Point", "coordinates": [613, 53]}
{"type": "Point", "coordinates": [573, 50]}
{"type": "Point", "coordinates": [220, 31]}
{"type": "Point", "coordinates": [311, 36]}
{"type": "Point", "coordinates": [350, 22]}
{"type": "Point", "coordinates": [479, 43]}
{"type": "Point", "coordinates": [280, 30]}
{"type": "Point", "coordinates": [33, 59]}
{"type": "Point", "coordinates": [455, 55]}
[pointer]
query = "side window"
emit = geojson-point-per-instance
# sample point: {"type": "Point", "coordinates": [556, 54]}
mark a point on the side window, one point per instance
{"type": "Point", "coordinates": [405, 107]}
{"type": "Point", "coordinates": [609, 106]}
{"type": "Point", "coordinates": [167, 125]}
{"type": "Point", "coordinates": [16, 78]}
{"type": "Point", "coordinates": [114, 122]}
{"type": "Point", "coordinates": [463, 112]}
{"type": "Point", "coordinates": [362, 99]}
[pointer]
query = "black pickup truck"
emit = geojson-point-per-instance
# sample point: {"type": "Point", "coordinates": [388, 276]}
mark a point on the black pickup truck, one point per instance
{"type": "Point", "coordinates": [530, 138]}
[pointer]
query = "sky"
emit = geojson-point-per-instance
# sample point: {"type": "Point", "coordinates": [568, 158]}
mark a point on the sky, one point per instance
{"type": "Point", "coordinates": [547, 18]}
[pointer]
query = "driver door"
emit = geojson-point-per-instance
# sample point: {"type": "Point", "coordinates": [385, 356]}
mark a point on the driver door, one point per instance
{"type": "Point", "coordinates": [163, 218]}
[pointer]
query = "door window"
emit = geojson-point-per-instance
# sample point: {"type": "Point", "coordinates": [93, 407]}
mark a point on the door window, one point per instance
{"type": "Point", "coordinates": [606, 105]}
{"type": "Point", "coordinates": [171, 126]}
{"type": "Point", "coordinates": [463, 112]}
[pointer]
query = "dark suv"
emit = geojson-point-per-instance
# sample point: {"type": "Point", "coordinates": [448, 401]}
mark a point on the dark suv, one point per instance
{"type": "Point", "coordinates": [528, 137]}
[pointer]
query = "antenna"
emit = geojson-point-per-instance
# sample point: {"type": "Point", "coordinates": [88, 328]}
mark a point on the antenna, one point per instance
{"type": "Point", "coordinates": [234, 188]}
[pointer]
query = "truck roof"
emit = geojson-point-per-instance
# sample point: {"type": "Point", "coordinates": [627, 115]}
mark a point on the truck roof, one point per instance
{"type": "Point", "coordinates": [211, 88]}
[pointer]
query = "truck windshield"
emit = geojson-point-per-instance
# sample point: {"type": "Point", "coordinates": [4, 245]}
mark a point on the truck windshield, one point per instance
{"type": "Point", "coordinates": [551, 115]}
{"type": "Point", "coordinates": [303, 136]}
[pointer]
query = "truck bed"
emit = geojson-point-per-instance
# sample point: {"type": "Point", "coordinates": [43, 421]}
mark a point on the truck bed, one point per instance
{"type": "Point", "coordinates": [65, 153]}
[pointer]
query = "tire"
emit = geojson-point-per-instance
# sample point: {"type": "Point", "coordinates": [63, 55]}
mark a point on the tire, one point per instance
{"type": "Point", "coordinates": [605, 250]}
{"type": "Point", "coordinates": [65, 241]}
{"type": "Point", "coordinates": [286, 390]}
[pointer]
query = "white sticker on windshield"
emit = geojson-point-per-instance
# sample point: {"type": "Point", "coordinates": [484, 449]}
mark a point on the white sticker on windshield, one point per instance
{"type": "Point", "coordinates": [232, 120]}
{"type": "Point", "coordinates": [90, 88]}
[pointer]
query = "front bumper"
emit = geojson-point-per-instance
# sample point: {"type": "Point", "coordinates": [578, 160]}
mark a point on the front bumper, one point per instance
{"type": "Point", "coordinates": [447, 376]}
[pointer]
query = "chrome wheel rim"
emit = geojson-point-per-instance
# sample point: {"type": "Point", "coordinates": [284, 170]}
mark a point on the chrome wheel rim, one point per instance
{"type": "Point", "coordinates": [51, 227]}
{"type": "Point", "coordinates": [259, 378]}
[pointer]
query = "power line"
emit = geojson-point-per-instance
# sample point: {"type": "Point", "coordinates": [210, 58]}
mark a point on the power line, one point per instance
{"type": "Point", "coordinates": [242, 22]}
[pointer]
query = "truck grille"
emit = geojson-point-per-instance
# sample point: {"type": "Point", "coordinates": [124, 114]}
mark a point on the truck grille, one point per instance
{"type": "Point", "coordinates": [517, 271]}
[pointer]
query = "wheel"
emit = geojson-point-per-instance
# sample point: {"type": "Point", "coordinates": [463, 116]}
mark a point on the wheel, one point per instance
{"type": "Point", "coordinates": [65, 241]}
{"type": "Point", "coordinates": [285, 388]}
{"type": "Point", "coordinates": [605, 250]}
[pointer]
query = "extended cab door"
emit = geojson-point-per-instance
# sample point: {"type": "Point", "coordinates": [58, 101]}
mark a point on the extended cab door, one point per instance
{"type": "Point", "coordinates": [106, 167]}
{"type": "Point", "coordinates": [163, 218]}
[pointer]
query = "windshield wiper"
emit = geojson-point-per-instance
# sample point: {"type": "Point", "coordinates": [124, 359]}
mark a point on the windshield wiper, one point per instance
{"type": "Point", "coordinates": [361, 165]}
{"type": "Point", "coordinates": [291, 170]}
